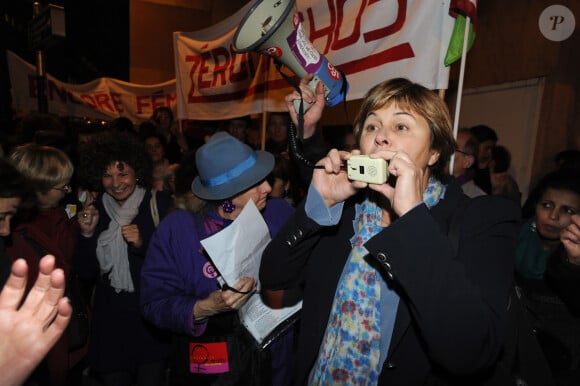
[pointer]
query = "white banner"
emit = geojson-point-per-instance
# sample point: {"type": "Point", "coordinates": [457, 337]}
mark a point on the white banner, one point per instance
{"type": "Point", "coordinates": [369, 41]}
{"type": "Point", "coordinates": [103, 98]}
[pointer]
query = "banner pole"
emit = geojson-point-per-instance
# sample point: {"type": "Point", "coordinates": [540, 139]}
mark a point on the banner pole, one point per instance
{"type": "Point", "coordinates": [460, 87]}
{"type": "Point", "coordinates": [263, 130]}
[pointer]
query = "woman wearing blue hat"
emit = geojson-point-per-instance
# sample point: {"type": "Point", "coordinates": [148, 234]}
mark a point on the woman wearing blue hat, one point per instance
{"type": "Point", "coordinates": [180, 289]}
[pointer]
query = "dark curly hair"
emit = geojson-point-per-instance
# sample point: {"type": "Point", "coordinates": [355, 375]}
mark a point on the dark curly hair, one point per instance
{"type": "Point", "coordinates": [108, 148]}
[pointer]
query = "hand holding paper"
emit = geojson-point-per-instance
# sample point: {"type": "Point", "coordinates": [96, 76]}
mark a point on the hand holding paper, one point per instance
{"type": "Point", "coordinates": [236, 252]}
{"type": "Point", "coordinates": [225, 300]}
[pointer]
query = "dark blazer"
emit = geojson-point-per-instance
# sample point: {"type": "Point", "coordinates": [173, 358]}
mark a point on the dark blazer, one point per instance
{"type": "Point", "coordinates": [451, 319]}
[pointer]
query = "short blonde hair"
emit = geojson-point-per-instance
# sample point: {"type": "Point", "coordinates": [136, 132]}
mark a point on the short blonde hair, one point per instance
{"type": "Point", "coordinates": [43, 166]}
{"type": "Point", "coordinates": [425, 102]}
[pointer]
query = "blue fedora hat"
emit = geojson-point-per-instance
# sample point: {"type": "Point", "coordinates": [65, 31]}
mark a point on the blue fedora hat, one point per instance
{"type": "Point", "coordinates": [227, 167]}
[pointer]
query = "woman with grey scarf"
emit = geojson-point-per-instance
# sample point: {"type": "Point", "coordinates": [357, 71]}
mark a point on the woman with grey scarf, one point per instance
{"type": "Point", "coordinates": [115, 230]}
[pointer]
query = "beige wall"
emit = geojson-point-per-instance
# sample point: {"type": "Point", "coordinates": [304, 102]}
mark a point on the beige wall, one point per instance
{"type": "Point", "coordinates": [152, 23]}
{"type": "Point", "coordinates": [509, 47]}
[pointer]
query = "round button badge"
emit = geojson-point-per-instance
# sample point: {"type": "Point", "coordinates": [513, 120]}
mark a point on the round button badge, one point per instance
{"type": "Point", "coordinates": [557, 23]}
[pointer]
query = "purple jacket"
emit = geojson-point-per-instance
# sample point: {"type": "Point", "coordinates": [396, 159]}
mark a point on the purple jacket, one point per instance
{"type": "Point", "coordinates": [176, 273]}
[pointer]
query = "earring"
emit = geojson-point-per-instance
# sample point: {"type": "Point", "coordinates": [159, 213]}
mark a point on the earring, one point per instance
{"type": "Point", "coordinates": [534, 227]}
{"type": "Point", "coordinates": [228, 206]}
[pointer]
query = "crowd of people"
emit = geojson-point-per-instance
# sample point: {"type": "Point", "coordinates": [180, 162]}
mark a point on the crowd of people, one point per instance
{"type": "Point", "coordinates": [391, 294]}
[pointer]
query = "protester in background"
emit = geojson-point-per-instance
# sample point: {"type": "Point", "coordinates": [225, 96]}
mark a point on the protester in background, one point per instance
{"type": "Point", "coordinates": [13, 189]}
{"type": "Point", "coordinates": [169, 179]}
{"type": "Point", "coordinates": [123, 125]}
{"type": "Point", "coordinates": [546, 264]}
{"type": "Point", "coordinates": [339, 137]}
{"type": "Point", "coordinates": [568, 159]}
{"type": "Point", "coordinates": [184, 175]}
{"type": "Point", "coordinates": [180, 288]}
{"type": "Point", "coordinates": [175, 142]}
{"type": "Point", "coordinates": [307, 145]}
{"type": "Point", "coordinates": [387, 299]}
{"type": "Point", "coordinates": [502, 182]}
{"type": "Point", "coordinates": [155, 147]}
{"type": "Point", "coordinates": [464, 163]}
{"type": "Point", "coordinates": [564, 160]}
{"type": "Point", "coordinates": [487, 139]}
{"type": "Point", "coordinates": [48, 230]}
{"type": "Point", "coordinates": [277, 131]}
{"type": "Point", "coordinates": [349, 141]}
{"type": "Point", "coordinates": [558, 198]}
{"type": "Point", "coordinates": [115, 231]}
{"type": "Point", "coordinates": [238, 128]}
{"type": "Point", "coordinates": [283, 180]}
{"type": "Point", "coordinates": [30, 324]}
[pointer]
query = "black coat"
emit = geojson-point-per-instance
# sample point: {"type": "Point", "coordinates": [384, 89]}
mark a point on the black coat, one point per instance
{"type": "Point", "coordinates": [451, 319]}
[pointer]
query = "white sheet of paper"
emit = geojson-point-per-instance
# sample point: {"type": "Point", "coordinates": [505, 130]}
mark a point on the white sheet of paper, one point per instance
{"type": "Point", "coordinates": [237, 249]}
{"type": "Point", "coordinates": [236, 252]}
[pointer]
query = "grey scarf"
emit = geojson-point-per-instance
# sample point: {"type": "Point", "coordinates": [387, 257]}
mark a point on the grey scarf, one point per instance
{"type": "Point", "coordinates": [111, 247]}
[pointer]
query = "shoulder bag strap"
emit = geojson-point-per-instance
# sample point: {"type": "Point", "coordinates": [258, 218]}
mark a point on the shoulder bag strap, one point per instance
{"type": "Point", "coordinates": [154, 210]}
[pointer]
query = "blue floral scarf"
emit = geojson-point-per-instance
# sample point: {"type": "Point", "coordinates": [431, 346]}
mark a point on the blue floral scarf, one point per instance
{"type": "Point", "coordinates": [350, 350]}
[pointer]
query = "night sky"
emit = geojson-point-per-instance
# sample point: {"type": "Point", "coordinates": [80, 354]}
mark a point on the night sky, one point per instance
{"type": "Point", "coordinates": [96, 43]}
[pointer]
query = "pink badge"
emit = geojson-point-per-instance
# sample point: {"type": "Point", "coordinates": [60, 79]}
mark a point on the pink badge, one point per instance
{"type": "Point", "coordinates": [209, 270]}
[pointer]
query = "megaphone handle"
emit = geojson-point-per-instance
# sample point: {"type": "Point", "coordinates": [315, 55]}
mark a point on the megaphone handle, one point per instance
{"type": "Point", "coordinates": [297, 105]}
{"type": "Point", "coordinates": [312, 84]}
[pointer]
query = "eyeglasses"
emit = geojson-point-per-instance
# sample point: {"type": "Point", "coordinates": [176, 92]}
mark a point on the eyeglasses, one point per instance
{"type": "Point", "coordinates": [66, 188]}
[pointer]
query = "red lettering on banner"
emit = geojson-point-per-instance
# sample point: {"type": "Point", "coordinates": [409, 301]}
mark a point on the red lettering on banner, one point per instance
{"type": "Point", "coordinates": [157, 101]}
{"type": "Point", "coordinates": [116, 99]}
{"type": "Point", "coordinates": [143, 101]}
{"type": "Point", "coordinates": [88, 100]}
{"type": "Point", "coordinates": [323, 32]}
{"type": "Point", "coordinates": [59, 93]}
{"type": "Point", "coordinates": [245, 64]}
{"type": "Point", "coordinates": [332, 31]}
{"type": "Point", "coordinates": [102, 100]}
{"type": "Point", "coordinates": [390, 29]}
{"type": "Point", "coordinates": [219, 69]}
{"type": "Point", "coordinates": [203, 70]}
{"type": "Point", "coordinates": [148, 103]}
{"type": "Point", "coordinates": [171, 99]}
{"type": "Point", "coordinates": [195, 59]}
{"type": "Point", "coordinates": [354, 35]}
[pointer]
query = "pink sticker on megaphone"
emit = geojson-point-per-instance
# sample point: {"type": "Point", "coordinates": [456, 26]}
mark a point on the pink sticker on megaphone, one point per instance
{"type": "Point", "coordinates": [274, 52]}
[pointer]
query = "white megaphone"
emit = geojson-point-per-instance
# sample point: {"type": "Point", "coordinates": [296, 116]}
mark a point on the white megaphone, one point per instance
{"type": "Point", "coordinates": [273, 28]}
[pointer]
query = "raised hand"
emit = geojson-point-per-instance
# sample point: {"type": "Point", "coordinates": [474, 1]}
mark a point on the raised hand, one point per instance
{"type": "Point", "coordinates": [28, 331]}
{"type": "Point", "coordinates": [225, 300]}
{"type": "Point", "coordinates": [570, 237]}
{"type": "Point", "coordinates": [314, 98]}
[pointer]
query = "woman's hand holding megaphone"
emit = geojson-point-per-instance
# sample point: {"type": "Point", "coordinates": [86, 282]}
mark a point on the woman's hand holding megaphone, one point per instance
{"type": "Point", "coordinates": [316, 100]}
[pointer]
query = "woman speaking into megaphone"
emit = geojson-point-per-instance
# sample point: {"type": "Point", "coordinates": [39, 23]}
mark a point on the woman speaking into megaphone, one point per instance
{"type": "Point", "coordinates": [393, 292]}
